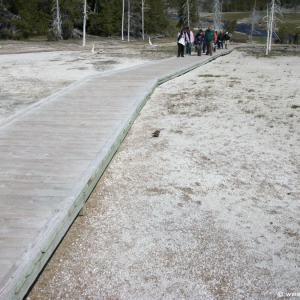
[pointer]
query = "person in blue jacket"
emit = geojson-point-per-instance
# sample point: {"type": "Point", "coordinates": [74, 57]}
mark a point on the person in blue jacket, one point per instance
{"type": "Point", "coordinates": [199, 38]}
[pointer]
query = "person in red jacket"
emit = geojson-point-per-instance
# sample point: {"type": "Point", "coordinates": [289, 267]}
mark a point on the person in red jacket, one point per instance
{"type": "Point", "coordinates": [215, 40]}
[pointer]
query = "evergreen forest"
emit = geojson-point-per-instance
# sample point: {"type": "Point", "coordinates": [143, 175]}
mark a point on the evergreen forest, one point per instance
{"type": "Point", "coordinates": [21, 19]}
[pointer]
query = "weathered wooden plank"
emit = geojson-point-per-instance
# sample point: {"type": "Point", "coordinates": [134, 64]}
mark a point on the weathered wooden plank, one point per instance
{"type": "Point", "coordinates": [65, 141]}
{"type": "Point", "coordinates": [25, 233]}
{"type": "Point", "coordinates": [30, 212]}
{"type": "Point", "coordinates": [43, 170]}
{"type": "Point", "coordinates": [70, 153]}
{"type": "Point", "coordinates": [37, 192]}
{"type": "Point", "coordinates": [13, 242]}
{"type": "Point", "coordinates": [7, 262]}
{"type": "Point", "coordinates": [10, 253]}
{"type": "Point", "coordinates": [24, 178]}
{"type": "Point", "coordinates": [28, 206]}
{"type": "Point", "coordinates": [14, 221]}
{"type": "Point", "coordinates": [7, 186]}
{"type": "Point", "coordinates": [77, 119]}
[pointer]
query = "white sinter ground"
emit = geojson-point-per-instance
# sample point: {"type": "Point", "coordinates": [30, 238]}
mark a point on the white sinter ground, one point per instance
{"type": "Point", "coordinates": [208, 210]}
{"type": "Point", "coordinates": [28, 77]}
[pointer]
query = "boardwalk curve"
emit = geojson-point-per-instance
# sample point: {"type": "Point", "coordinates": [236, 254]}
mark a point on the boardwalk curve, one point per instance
{"type": "Point", "coordinates": [54, 152]}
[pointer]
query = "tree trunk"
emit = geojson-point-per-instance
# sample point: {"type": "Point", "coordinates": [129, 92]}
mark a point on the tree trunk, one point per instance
{"type": "Point", "coordinates": [123, 12]}
{"type": "Point", "coordinates": [128, 33]}
{"type": "Point", "coordinates": [84, 23]}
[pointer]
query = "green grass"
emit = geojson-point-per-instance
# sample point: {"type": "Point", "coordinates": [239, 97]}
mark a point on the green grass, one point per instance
{"type": "Point", "coordinates": [291, 21]}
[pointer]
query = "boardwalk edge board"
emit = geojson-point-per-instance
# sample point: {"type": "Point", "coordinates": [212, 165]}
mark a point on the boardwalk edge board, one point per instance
{"type": "Point", "coordinates": [25, 271]}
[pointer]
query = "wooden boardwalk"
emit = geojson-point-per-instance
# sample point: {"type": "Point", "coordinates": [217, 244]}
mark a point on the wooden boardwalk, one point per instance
{"type": "Point", "coordinates": [52, 155]}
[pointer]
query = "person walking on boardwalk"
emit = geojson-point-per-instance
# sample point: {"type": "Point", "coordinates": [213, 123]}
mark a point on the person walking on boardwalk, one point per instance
{"type": "Point", "coordinates": [181, 41]}
{"type": "Point", "coordinates": [220, 40]}
{"type": "Point", "coordinates": [190, 40]}
{"type": "Point", "coordinates": [203, 43]}
{"type": "Point", "coordinates": [226, 39]}
{"type": "Point", "coordinates": [209, 40]}
{"type": "Point", "coordinates": [199, 38]}
{"type": "Point", "coordinates": [215, 41]}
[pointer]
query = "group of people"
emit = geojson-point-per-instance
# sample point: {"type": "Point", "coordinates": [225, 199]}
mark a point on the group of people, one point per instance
{"type": "Point", "coordinates": [205, 41]}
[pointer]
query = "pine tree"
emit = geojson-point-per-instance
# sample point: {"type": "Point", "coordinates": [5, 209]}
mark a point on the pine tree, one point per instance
{"type": "Point", "coordinates": [107, 21]}
{"type": "Point", "coordinates": [33, 16]}
{"type": "Point", "coordinates": [188, 12]}
{"type": "Point", "coordinates": [6, 18]}
{"type": "Point", "coordinates": [155, 17]}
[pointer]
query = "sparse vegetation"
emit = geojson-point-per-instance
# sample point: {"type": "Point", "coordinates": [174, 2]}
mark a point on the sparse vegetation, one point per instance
{"type": "Point", "coordinates": [210, 75]}
{"type": "Point", "coordinates": [259, 116]}
{"type": "Point", "coordinates": [259, 52]}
